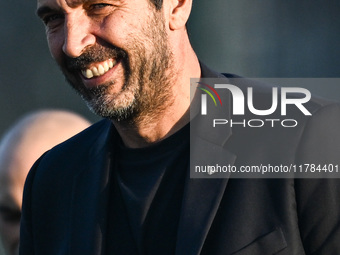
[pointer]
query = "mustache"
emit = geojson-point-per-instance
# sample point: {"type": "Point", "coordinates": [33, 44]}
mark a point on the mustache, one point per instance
{"type": "Point", "coordinates": [94, 54]}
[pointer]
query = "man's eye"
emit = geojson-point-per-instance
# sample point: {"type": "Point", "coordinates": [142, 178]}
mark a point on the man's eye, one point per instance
{"type": "Point", "coordinates": [51, 18]}
{"type": "Point", "coordinates": [98, 7]}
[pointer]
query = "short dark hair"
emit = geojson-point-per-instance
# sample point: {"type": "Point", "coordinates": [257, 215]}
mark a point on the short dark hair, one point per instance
{"type": "Point", "coordinates": [158, 3]}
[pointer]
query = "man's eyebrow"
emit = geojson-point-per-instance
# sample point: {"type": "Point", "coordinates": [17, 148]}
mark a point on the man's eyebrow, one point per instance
{"type": "Point", "coordinates": [43, 10]}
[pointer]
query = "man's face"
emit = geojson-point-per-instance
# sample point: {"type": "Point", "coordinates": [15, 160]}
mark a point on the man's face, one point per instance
{"type": "Point", "coordinates": [115, 53]}
{"type": "Point", "coordinates": [11, 188]}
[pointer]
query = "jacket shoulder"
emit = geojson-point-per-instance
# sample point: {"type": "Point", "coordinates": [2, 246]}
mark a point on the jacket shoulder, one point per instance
{"type": "Point", "coordinates": [75, 151]}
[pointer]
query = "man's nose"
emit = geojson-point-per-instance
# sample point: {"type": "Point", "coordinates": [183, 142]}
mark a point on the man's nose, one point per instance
{"type": "Point", "coordinates": [77, 36]}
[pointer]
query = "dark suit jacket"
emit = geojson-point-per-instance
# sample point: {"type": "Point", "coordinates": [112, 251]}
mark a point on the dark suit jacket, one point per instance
{"type": "Point", "coordinates": [66, 192]}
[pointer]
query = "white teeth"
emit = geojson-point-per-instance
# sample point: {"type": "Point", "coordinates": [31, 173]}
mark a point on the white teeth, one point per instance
{"type": "Point", "coordinates": [110, 63]}
{"type": "Point", "coordinates": [106, 67]}
{"type": "Point", "coordinates": [99, 70]}
{"type": "Point", "coordinates": [95, 71]}
{"type": "Point", "coordinates": [89, 74]}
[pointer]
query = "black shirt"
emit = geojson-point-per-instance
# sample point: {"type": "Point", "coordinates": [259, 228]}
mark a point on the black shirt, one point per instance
{"type": "Point", "coordinates": [146, 196]}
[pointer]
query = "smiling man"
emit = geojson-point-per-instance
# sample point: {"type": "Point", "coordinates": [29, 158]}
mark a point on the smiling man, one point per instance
{"type": "Point", "coordinates": [123, 186]}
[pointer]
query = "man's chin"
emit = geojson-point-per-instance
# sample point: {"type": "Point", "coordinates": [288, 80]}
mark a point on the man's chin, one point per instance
{"type": "Point", "coordinates": [107, 106]}
{"type": "Point", "coordinates": [120, 114]}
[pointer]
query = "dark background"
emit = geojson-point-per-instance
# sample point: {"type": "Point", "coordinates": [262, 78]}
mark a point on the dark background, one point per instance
{"type": "Point", "coordinates": [252, 38]}
{"type": "Point", "coordinates": [268, 38]}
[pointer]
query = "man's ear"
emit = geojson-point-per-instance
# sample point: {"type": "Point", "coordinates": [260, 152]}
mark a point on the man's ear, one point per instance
{"type": "Point", "coordinates": [179, 13]}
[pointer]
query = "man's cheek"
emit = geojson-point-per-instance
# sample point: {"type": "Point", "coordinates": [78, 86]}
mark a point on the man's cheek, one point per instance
{"type": "Point", "coordinates": [56, 48]}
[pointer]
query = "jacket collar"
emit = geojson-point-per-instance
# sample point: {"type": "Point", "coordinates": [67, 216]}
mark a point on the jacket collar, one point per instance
{"type": "Point", "coordinates": [90, 196]}
{"type": "Point", "coordinates": [203, 195]}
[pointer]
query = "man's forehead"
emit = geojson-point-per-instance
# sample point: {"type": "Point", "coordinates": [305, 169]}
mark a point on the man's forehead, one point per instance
{"type": "Point", "coordinates": [78, 2]}
{"type": "Point", "coordinates": [69, 2]}
{"type": "Point", "coordinates": [43, 5]}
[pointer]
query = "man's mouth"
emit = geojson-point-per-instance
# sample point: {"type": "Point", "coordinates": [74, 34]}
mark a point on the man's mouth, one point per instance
{"type": "Point", "coordinates": [98, 69]}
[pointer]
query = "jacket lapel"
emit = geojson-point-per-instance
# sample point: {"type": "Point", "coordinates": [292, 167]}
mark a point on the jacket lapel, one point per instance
{"type": "Point", "coordinates": [201, 200]}
{"type": "Point", "coordinates": [203, 194]}
{"type": "Point", "coordinates": [90, 198]}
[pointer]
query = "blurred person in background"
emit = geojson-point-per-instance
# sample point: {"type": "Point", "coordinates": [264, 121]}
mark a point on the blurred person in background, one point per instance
{"type": "Point", "coordinates": [20, 147]}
